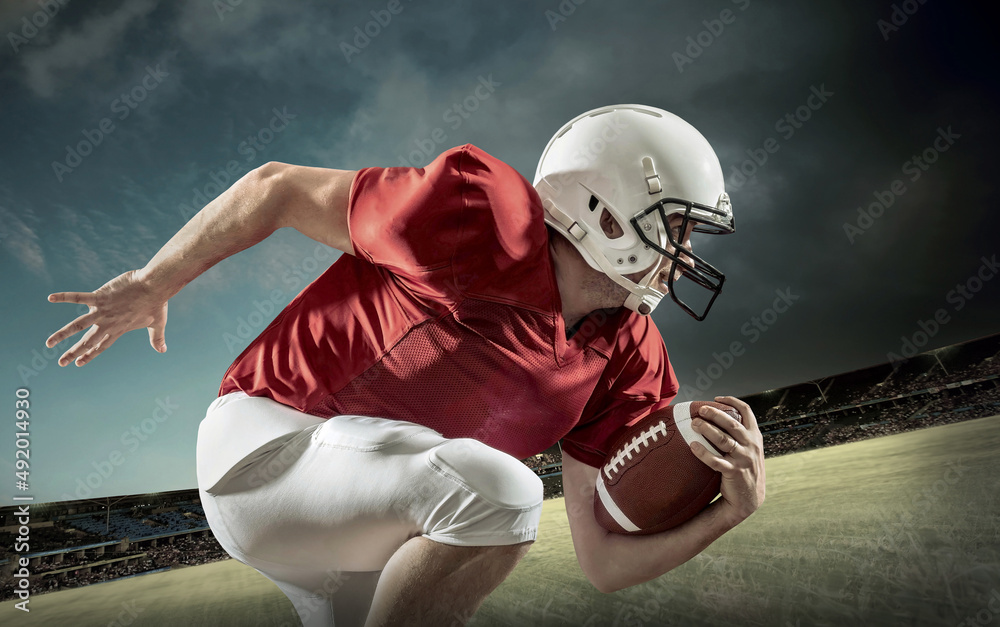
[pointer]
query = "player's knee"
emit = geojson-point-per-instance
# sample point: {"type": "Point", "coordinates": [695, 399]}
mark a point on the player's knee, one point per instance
{"type": "Point", "coordinates": [494, 475]}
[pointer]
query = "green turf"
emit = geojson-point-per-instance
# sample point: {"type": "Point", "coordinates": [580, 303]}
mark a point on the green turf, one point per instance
{"type": "Point", "coordinates": [878, 532]}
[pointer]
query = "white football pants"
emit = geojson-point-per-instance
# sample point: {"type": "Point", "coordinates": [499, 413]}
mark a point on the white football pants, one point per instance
{"type": "Point", "coordinates": [318, 506]}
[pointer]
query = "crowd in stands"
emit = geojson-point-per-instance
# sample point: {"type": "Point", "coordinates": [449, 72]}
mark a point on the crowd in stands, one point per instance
{"type": "Point", "coordinates": [183, 551]}
{"type": "Point", "coordinates": [68, 560]}
{"type": "Point", "coordinates": [786, 440]}
{"type": "Point", "coordinates": [189, 551]}
{"type": "Point", "coordinates": [552, 488]}
{"type": "Point", "coordinates": [539, 462]}
{"type": "Point", "coordinates": [48, 538]}
{"type": "Point", "coordinates": [934, 376]}
{"type": "Point", "coordinates": [908, 415]}
{"type": "Point", "coordinates": [75, 579]}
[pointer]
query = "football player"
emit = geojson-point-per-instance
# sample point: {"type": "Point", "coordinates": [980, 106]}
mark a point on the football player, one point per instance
{"type": "Point", "coordinates": [363, 450]}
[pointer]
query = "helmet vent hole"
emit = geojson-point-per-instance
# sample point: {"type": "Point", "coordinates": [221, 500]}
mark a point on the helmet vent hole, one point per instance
{"type": "Point", "coordinates": [593, 203]}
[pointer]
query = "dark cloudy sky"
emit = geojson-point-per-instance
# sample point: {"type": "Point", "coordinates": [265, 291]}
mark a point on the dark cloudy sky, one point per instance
{"type": "Point", "coordinates": [207, 80]}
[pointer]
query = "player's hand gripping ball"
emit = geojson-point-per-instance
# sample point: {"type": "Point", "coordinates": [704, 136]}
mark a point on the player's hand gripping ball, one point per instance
{"type": "Point", "coordinates": [651, 481]}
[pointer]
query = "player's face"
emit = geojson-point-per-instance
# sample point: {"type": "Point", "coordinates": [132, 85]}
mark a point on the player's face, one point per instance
{"type": "Point", "coordinates": [663, 265]}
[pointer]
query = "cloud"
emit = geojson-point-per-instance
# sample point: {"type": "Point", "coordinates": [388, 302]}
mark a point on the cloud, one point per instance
{"type": "Point", "coordinates": [20, 241]}
{"type": "Point", "coordinates": [97, 244]}
{"type": "Point", "coordinates": [374, 131]}
{"type": "Point", "coordinates": [274, 41]}
{"type": "Point", "coordinates": [12, 13]}
{"type": "Point", "coordinates": [93, 40]}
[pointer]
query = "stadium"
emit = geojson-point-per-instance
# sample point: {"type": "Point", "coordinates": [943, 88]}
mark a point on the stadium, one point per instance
{"type": "Point", "coordinates": [370, 213]}
{"type": "Point", "coordinates": [882, 507]}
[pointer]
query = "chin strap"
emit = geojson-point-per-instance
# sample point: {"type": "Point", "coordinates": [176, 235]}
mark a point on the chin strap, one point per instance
{"type": "Point", "coordinates": [642, 299]}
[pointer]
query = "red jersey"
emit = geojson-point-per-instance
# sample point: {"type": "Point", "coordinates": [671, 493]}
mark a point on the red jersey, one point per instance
{"type": "Point", "coordinates": [449, 316]}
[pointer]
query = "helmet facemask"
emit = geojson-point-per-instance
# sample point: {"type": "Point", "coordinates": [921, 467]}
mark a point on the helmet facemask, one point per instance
{"type": "Point", "coordinates": [708, 220]}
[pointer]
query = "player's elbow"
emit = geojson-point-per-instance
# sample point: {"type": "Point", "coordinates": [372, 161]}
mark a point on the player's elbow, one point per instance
{"type": "Point", "coordinates": [609, 581]}
{"type": "Point", "coordinates": [264, 184]}
{"type": "Point", "coordinates": [314, 201]}
{"type": "Point", "coordinates": [599, 569]}
{"type": "Point", "coordinates": [271, 178]}
{"type": "Point", "coordinates": [604, 587]}
{"type": "Point", "coordinates": [596, 578]}
{"type": "Point", "coordinates": [605, 582]}
{"type": "Point", "coordinates": [267, 176]}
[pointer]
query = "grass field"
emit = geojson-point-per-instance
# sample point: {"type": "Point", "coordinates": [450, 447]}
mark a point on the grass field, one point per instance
{"type": "Point", "coordinates": [899, 530]}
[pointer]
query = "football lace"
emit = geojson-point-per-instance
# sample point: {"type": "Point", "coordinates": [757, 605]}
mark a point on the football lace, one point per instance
{"type": "Point", "coordinates": [638, 441]}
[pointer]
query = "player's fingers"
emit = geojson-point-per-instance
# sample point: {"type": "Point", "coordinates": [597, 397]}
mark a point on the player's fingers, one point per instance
{"type": "Point", "coordinates": [157, 339]}
{"type": "Point", "coordinates": [749, 419]}
{"type": "Point", "coordinates": [729, 424]}
{"type": "Point", "coordinates": [82, 346]}
{"type": "Point", "coordinates": [87, 298]}
{"type": "Point", "coordinates": [722, 441]}
{"type": "Point", "coordinates": [710, 459]}
{"type": "Point", "coordinates": [72, 328]}
{"type": "Point", "coordinates": [96, 350]}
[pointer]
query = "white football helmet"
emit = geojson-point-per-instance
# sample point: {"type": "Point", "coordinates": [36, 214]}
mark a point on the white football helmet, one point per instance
{"type": "Point", "coordinates": [643, 165]}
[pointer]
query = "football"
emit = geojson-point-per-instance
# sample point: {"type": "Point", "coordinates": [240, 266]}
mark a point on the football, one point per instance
{"type": "Point", "coordinates": [651, 481]}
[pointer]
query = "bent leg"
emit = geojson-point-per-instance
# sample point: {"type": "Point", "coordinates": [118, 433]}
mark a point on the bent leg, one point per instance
{"type": "Point", "coordinates": [434, 584]}
{"type": "Point", "coordinates": [474, 535]}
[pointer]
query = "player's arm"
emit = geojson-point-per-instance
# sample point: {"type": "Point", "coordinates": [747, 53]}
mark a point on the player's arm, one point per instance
{"type": "Point", "coordinates": [614, 561]}
{"type": "Point", "coordinates": [311, 200]}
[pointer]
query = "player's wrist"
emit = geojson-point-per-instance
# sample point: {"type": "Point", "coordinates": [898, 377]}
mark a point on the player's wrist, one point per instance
{"type": "Point", "coordinates": [157, 281]}
{"type": "Point", "coordinates": [730, 514]}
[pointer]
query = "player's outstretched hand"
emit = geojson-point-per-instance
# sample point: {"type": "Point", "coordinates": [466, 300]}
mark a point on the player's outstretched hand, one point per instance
{"type": "Point", "coordinates": [742, 462]}
{"type": "Point", "coordinates": [122, 304]}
